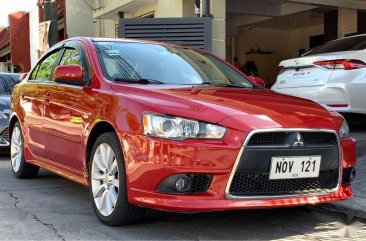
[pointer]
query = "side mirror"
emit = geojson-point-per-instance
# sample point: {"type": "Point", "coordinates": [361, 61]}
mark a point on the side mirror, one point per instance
{"type": "Point", "coordinates": [257, 81]}
{"type": "Point", "coordinates": [69, 74]}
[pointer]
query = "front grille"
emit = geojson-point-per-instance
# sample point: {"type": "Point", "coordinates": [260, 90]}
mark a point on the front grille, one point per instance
{"type": "Point", "coordinates": [319, 138]}
{"type": "Point", "coordinates": [260, 184]}
{"type": "Point", "coordinates": [200, 182]}
{"type": "Point", "coordinates": [5, 134]}
{"type": "Point", "coordinates": [251, 177]}
{"type": "Point", "coordinates": [278, 138]}
{"type": "Point", "coordinates": [267, 137]}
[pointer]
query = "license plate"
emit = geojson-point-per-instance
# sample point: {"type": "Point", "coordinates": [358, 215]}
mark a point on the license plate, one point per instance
{"type": "Point", "coordinates": [294, 167]}
{"type": "Point", "coordinates": [302, 73]}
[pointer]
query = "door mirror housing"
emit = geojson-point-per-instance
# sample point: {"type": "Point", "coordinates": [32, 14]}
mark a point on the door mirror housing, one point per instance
{"type": "Point", "coordinates": [258, 81]}
{"type": "Point", "coordinates": [69, 74]}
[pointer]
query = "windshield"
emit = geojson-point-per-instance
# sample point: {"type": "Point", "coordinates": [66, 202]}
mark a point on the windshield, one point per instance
{"type": "Point", "coordinates": [340, 45]}
{"type": "Point", "coordinates": [165, 64]}
{"type": "Point", "coordinates": [7, 82]}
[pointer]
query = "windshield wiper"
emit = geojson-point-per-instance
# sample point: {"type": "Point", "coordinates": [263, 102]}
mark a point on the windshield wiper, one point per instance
{"type": "Point", "coordinates": [221, 84]}
{"type": "Point", "coordinates": [139, 81]}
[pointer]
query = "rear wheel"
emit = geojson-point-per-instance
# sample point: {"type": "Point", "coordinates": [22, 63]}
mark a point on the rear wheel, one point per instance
{"type": "Point", "coordinates": [21, 169]}
{"type": "Point", "coordinates": [108, 188]}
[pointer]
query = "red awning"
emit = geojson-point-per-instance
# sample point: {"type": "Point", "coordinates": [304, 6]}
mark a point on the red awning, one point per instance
{"type": "Point", "coordinates": [4, 38]}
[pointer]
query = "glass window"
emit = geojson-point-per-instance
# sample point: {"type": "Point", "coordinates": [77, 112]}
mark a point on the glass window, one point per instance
{"type": "Point", "coordinates": [70, 56]}
{"type": "Point", "coordinates": [45, 70]}
{"type": "Point", "coordinates": [166, 64]}
{"type": "Point", "coordinates": [34, 73]}
{"type": "Point", "coordinates": [340, 45]}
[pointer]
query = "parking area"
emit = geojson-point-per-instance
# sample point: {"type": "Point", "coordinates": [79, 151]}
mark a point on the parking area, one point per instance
{"type": "Point", "coordinates": [52, 208]}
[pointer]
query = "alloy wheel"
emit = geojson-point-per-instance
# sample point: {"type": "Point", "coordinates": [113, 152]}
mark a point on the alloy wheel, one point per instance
{"type": "Point", "coordinates": [16, 149]}
{"type": "Point", "coordinates": [105, 179]}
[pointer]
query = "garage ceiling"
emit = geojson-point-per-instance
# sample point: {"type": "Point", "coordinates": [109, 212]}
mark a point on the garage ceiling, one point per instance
{"type": "Point", "coordinates": [294, 21]}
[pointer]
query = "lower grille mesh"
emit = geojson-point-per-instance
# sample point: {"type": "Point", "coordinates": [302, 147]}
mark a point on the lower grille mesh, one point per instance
{"type": "Point", "coordinates": [260, 184]}
{"type": "Point", "coordinates": [200, 183]}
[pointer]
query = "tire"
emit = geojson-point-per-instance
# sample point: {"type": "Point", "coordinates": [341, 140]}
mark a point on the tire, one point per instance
{"type": "Point", "coordinates": [108, 187]}
{"type": "Point", "coordinates": [21, 169]}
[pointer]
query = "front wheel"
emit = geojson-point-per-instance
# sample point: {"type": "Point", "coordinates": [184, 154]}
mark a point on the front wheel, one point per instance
{"type": "Point", "coordinates": [108, 188]}
{"type": "Point", "coordinates": [21, 169]}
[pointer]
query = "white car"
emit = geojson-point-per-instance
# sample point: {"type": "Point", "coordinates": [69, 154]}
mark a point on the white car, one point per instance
{"type": "Point", "coordinates": [333, 75]}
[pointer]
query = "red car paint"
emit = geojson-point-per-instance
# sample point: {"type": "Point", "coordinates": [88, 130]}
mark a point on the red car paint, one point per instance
{"type": "Point", "coordinates": [57, 121]}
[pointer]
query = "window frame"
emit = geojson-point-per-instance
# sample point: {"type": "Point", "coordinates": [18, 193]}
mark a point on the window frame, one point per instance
{"type": "Point", "coordinates": [39, 63]}
{"type": "Point", "coordinates": [83, 59]}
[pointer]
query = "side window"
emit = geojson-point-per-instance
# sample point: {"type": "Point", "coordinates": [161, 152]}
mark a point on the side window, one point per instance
{"type": "Point", "coordinates": [34, 73]}
{"type": "Point", "coordinates": [45, 69]}
{"type": "Point", "coordinates": [70, 56]}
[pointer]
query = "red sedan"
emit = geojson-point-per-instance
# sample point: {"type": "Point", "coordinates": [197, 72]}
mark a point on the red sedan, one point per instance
{"type": "Point", "coordinates": [153, 125]}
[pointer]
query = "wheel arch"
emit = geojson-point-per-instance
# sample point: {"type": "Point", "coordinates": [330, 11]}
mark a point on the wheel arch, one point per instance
{"type": "Point", "coordinates": [98, 129]}
{"type": "Point", "coordinates": [14, 119]}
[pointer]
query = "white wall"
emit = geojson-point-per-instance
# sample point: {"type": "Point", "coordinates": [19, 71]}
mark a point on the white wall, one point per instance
{"type": "Point", "coordinates": [79, 18]}
{"type": "Point", "coordinates": [34, 35]}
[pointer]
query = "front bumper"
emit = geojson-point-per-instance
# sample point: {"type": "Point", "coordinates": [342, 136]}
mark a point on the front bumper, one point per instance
{"type": "Point", "coordinates": [149, 161]}
{"type": "Point", "coordinates": [202, 203]}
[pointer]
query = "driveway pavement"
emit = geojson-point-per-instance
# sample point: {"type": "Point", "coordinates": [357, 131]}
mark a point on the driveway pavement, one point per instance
{"type": "Point", "coordinates": [52, 208]}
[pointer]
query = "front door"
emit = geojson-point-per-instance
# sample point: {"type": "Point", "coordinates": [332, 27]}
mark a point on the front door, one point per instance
{"type": "Point", "coordinates": [32, 101]}
{"type": "Point", "coordinates": [64, 116]}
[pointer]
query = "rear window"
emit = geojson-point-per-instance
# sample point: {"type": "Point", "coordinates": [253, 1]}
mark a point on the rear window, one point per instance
{"type": "Point", "coordinates": [7, 82]}
{"type": "Point", "coordinates": [340, 45]}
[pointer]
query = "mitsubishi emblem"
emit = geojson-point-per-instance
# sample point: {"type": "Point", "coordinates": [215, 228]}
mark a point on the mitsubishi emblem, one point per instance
{"type": "Point", "coordinates": [299, 141]}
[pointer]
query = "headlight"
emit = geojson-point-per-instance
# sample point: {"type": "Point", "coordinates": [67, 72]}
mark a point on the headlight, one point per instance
{"type": "Point", "coordinates": [344, 130]}
{"type": "Point", "coordinates": [2, 115]}
{"type": "Point", "coordinates": [180, 128]}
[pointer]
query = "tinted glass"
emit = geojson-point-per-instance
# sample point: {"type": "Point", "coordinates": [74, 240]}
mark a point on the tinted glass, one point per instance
{"type": "Point", "coordinates": [34, 73]}
{"type": "Point", "coordinates": [346, 44]}
{"type": "Point", "coordinates": [7, 82]}
{"type": "Point", "coordinates": [70, 56]}
{"type": "Point", "coordinates": [167, 64]}
{"type": "Point", "coordinates": [45, 69]}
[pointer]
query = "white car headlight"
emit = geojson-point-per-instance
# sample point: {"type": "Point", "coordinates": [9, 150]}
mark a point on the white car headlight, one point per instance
{"type": "Point", "coordinates": [344, 130]}
{"type": "Point", "coordinates": [180, 128]}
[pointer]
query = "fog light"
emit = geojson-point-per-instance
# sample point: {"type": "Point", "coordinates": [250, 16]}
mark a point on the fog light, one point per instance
{"type": "Point", "coordinates": [185, 183]}
{"type": "Point", "coordinates": [182, 184]}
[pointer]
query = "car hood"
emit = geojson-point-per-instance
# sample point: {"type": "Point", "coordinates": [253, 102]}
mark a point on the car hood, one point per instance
{"type": "Point", "coordinates": [238, 108]}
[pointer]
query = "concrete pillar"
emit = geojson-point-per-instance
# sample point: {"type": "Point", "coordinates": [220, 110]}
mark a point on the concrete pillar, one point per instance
{"type": "Point", "coordinates": [218, 11]}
